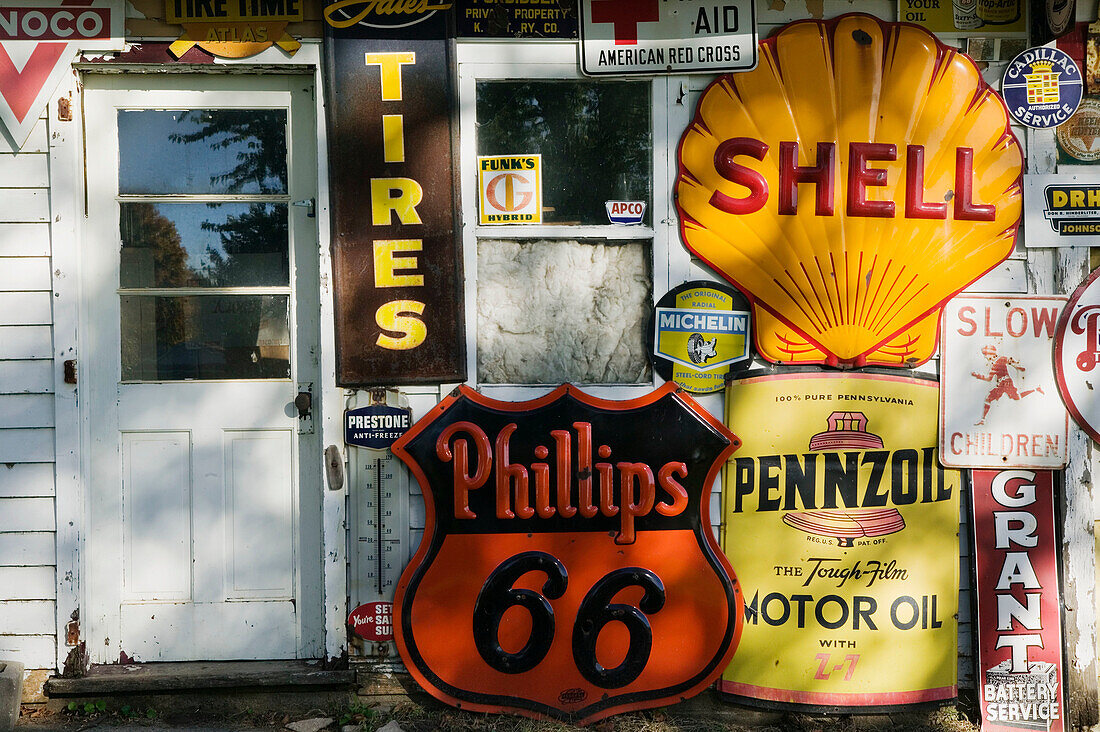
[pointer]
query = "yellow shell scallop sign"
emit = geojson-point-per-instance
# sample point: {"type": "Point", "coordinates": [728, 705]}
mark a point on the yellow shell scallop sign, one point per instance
{"type": "Point", "coordinates": [850, 185]}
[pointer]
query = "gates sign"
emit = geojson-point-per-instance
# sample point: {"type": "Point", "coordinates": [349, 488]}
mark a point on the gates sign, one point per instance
{"type": "Point", "coordinates": [568, 568]}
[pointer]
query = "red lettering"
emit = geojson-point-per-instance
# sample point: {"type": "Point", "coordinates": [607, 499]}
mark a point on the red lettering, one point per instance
{"type": "Point", "coordinates": [634, 504]}
{"type": "Point", "coordinates": [989, 326]}
{"type": "Point", "coordinates": [462, 481]}
{"type": "Point", "coordinates": [860, 177]}
{"type": "Point", "coordinates": [673, 488]}
{"type": "Point", "coordinates": [1008, 322]}
{"type": "Point", "coordinates": [1044, 320]}
{"type": "Point", "coordinates": [821, 175]}
{"type": "Point", "coordinates": [510, 479]}
{"type": "Point", "coordinates": [964, 311]}
{"type": "Point", "coordinates": [741, 175]}
{"type": "Point", "coordinates": [965, 208]}
{"type": "Point", "coordinates": [915, 205]}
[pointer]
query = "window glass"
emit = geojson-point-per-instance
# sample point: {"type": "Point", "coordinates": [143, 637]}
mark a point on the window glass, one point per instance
{"type": "Point", "coordinates": [204, 244]}
{"type": "Point", "coordinates": [205, 337]}
{"type": "Point", "coordinates": [202, 151]}
{"type": "Point", "coordinates": [594, 139]}
{"type": "Point", "coordinates": [551, 311]}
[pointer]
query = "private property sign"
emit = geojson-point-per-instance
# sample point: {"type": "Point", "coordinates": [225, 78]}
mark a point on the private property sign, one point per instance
{"type": "Point", "coordinates": [655, 36]}
{"type": "Point", "coordinates": [1000, 405]}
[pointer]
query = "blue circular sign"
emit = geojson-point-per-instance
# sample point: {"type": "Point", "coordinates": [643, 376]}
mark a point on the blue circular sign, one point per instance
{"type": "Point", "coordinates": [1042, 87]}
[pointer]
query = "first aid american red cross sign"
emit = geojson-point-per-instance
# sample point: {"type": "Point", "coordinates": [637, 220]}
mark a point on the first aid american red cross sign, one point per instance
{"type": "Point", "coordinates": [653, 37]}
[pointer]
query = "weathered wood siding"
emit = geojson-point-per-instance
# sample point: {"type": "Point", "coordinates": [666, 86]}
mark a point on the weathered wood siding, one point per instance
{"type": "Point", "coordinates": [27, 518]}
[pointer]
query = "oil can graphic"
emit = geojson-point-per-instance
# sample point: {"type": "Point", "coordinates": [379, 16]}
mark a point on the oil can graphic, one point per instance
{"type": "Point", "coordinates": [568, 568]}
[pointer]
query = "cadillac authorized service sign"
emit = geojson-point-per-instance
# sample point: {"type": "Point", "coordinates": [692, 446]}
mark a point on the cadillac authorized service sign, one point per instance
{"type": "Point", "coordinates": [852, 604]}
{"type": "Point", "coordinates": [568, 568]}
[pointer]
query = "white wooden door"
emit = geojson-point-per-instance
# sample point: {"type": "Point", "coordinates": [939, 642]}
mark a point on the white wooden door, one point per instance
{"type": "Point", "coordinates": [199, 329]}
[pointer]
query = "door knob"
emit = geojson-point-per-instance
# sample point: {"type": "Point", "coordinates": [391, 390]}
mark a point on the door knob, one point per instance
{"type": "Point", "coordinates": [304, 402]}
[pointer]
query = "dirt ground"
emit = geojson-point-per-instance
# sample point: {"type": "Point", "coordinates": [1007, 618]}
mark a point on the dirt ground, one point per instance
{"type": "Point", "coordinates": [703, 714]}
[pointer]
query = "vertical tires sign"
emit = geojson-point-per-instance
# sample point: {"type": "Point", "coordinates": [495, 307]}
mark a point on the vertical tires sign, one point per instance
{"type": "Point", "coordinates": [396, 260]}
{"type": "Point", "coordinates": [568, 567]}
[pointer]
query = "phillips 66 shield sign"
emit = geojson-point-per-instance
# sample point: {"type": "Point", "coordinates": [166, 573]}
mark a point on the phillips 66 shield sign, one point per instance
{"type": "Point", "coordinates": [568, 567]}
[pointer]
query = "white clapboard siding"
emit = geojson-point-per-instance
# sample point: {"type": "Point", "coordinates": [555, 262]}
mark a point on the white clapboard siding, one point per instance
{"type": "Point", "coordinates": [36, 142]}
{"type": "Point", "coordinates": [24, 274]}
{"type": "Point", "coordinates": [25, 308]}
{"type": "Point", "coordinates": [27, 583]}
{"type": "Point", "coordinates": [27, 549]}
{"type": "Point", "coordinates": [32, 445]}
{"type": "Point", "coordinates": [25, 341]}
{"type": "Point", "coordinates": [28, 617]}
{"type": "Point", "coordinates": [24, 204]}
{"type": "Point", "coordinates": [26, 480]}
{"type": "Point", "coordinates": [26, 377]}
{"type": "Point", "coordinates": [24, 170]}
{"type": "Point", "coordinates": [33, 651]}
{"type": "Point", "coordinates": [25, 240]}
{"type": "Point", "coordinates": [26, 410]}
{"type": "Point", "coordinates": [26, 514]}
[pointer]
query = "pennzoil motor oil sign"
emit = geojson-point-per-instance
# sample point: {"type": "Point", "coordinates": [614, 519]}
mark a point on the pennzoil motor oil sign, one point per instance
{"type": "Point", "coordinates": [854, 601]}
{"type": "Point", "coordinates": [568, 567]}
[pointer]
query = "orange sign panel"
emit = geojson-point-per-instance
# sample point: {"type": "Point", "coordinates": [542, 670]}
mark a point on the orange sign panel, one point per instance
{"type": "Point", "coordinates": [568, 567]}
{"type": "Point", "coordinates": [850, 185]}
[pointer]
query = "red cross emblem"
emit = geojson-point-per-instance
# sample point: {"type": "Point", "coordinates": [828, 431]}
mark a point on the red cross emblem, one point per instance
{"type": "Point", "coordinates": [626, 15]}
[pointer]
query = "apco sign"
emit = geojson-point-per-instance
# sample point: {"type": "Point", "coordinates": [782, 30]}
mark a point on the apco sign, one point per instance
{"type": "Point", "coordinates": [1019, 601]}
{"type": "Point", "coordinates": [849, 229]}
{"type": "Point", "coordinates": [38, 40]}
{"type": "Point", "coordinates": [1000, 406]}
{"type": "Point", "coordinates": [510, 189]}
{"type": "Point", "coordinates": [1061, 209]}
{"type": "Point", "coordinates": [234, 28]}
{"type": "Point", "coordinates": [376, 426]}
{"type": "Point", "coordinates": [656, 37]}
{"type": "Point", "coordinates": [700, 329]}
{"type": "Point", "coordinates": [1077, 355]}
{"type": "Point", "coordinates": [852, 601]}
{"type": "Point", "coordinates": [568, 568]}
{"type": "Point", "coordinates": [1042, 87]}
{"type": "Point", "coordinates": [397, 267]}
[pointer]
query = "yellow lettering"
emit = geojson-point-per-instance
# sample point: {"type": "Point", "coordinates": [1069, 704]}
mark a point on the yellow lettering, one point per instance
{"type": "Point", "coordinates": [1059, 199]}
{"type": "Point", "coordinates": [393, 316]}
{"type": "Point", "coordinates": [390, 64]}
{"type": "Point", "coordinates": [385, 263]}
{"type": "Point", "coordinates": [1094, 198]}
{"type": "Point", "coordinates": [1077, 198]}
{"type": "Point", "coordinates": [393, 136]}
{"type": "Point", "coordinates": [395, 195]}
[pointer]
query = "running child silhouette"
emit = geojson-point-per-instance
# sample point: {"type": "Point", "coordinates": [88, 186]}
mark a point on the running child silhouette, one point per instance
{"type": "Point", "coordinates": [1001, 378]}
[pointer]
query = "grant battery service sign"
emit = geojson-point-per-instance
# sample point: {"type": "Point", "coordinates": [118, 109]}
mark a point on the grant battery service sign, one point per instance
{"type": "Point", "coordinates": [1019, 624]}
{"type": "Point", "coordinates": [853, 604]}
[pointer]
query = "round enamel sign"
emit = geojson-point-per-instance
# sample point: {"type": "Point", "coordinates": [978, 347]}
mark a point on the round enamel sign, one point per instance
{"type": "Point", "coordinates": [1077, 355]}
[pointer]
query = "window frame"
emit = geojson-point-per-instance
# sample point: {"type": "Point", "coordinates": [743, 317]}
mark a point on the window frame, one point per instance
{"type": "Point", "coordinates": [555, 60]}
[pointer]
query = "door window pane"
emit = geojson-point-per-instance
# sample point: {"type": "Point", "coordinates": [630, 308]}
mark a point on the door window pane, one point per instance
{"type": "Point", "coordinates": [205, 337]}
{"type": "Point", "coordinates": [550, 311]}
{"type": "Point", "coordinates": [202, 151]}
{"type": "Point", "coordinates": [594, 138]}
{"type": "Point", "coordinates": [204, 245]}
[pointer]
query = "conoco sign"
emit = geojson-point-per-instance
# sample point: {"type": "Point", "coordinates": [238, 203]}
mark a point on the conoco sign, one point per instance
{"type": "Point", "coordinates": [568, 569]}
{"type": "Point", "coordinates": [850, 185]}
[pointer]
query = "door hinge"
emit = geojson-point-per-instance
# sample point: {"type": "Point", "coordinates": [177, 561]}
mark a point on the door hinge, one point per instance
{"type": "Point", "coordinates": [310, 203]}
